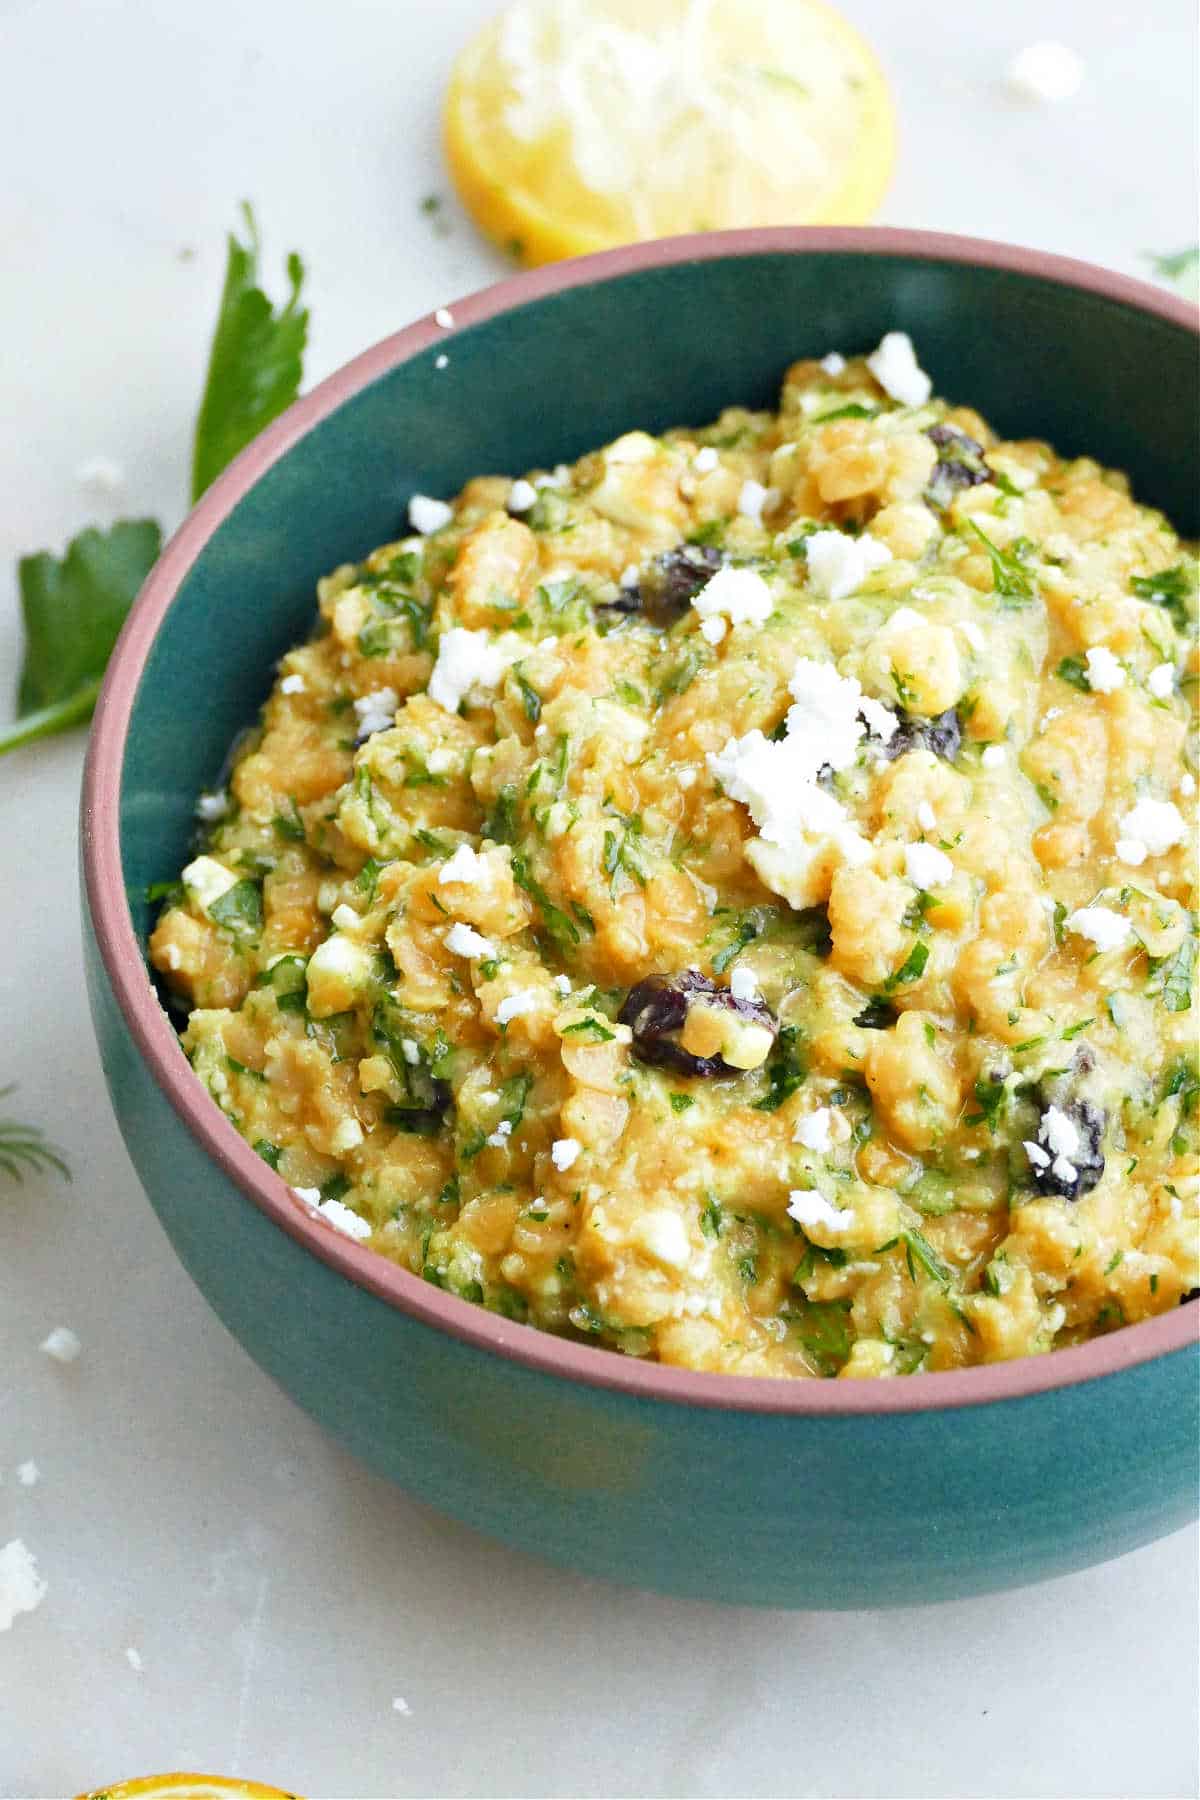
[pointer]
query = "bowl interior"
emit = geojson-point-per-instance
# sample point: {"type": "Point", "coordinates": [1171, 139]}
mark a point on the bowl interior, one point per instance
{"type": "Point", "coordinates": [563, 372]}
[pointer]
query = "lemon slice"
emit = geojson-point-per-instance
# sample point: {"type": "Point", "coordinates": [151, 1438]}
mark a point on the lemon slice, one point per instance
{"type": "Point", "coordinates": [574, 125]}
{"type": "Point", "coordinates": [188, 1787]}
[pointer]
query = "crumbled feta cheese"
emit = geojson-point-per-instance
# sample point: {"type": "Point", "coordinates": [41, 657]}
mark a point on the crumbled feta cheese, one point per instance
{"type": "Point", "coordinates": [808, 1207]}
{"type": "Point", "coordinates": [466, 660]}
{"type": "Point", "coordinates": [823, 724]}
{"type": "Point", "coordinates": [1161, 680]}
{"type": "Point", "coordinates": [62, 1344]}
{"type": "Point", "coordinates": [134, 1659]}
{"type": "Point", "coordinates": [742, 984]}
{"type": "Point", "coordinates": [515, 1006]}
{"type": "Point", "coordinates": [340, 1216]}
{"type": "Point", "coordinates": [880, 720]}
{"type": "Point", "coordinates": [562, 984]}
{"type": "Point", "coordinates": [1106, 929]}
{"type": "Point", "coordinates": [410, 1050]}
{"type": "Point", "coordinates": [895, 367]}
{"type": "Point", "coordinates": [1158, 824]}
{"type": "Point", "coordinates": [713, 630]}
{"type": "Point", "coordinates": [993, 756]}
{"type": "Point", "coordinates": [1059, 1132]}
{"type": "Point", "coordinates": [211, 807]}
{"type": "Point", "coordinates": [812, 1130]}
{"type": "Point", "coordinates": [1037, 1156]}
{"type": "Point", "coordinates": [347, 1135]}
{"type": "Point", "coordinates": [1131, 851]}
{"type": "Point", "coordinates": [833, 363]}
{"type": "Point", "coordinates": [336, 972]}
{"type": "Point", "coordinates": [461, 940]}
{"type": "Point", "coordinates": [1187, 783]}
{"type": "Point", "coordinates": [444, 317]}
{"type": "Point", "coordinates": [1046, 71]}
{"type": "Point", "coordinates": [427, 515]}
{"type": "Point", "coordinates": [926, 817]}
{"type": "Point", "coordinates": [522, 496]}
{"type": "Point", "coordinates": [345, 918]}
{"type": "Point", "coordinates": [310, 1196]}
{"type": "Point", "coordinates": [705, 460]}
{"type": "Point", "coordinates": [28, 1474]}
{"type": "Point", "coordinates": [206, 880]}
{"type": "Point", "coordinates": [664, 1236]}
{"type": "Point", "coordinates": [376, 711]}
{"type": "Point", "coordinates": [752, 497]}
{"type": "Point", "coordinates": [740, 595]}
{"type": "Point", "coordinates": [22, 1589]}
{"type": "Point", "coordinates": [466, 865]}
{"type": "Point", "coordinates": [1104, 673]}
{"type": "Point", "coordinates": [926, 866]}
{"type": "Point", "coordinates": [498, 1139]}
{"type": "Point", "coordinates": [630, 576]}
{"type": "Point", "coordinates": [838, 565]}
{"type": "Point", "coordinates": [563, 1152]}
{"type": "Point", "coordinates": [292, 684]}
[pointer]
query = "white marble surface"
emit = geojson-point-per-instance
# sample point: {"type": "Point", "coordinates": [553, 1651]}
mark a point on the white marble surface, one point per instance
{"type": "Point", "coordinates": [280, 1598]}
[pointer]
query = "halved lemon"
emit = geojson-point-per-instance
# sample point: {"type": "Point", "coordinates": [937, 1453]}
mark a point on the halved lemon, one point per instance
{"type": "Point", "coordinates": [188, 1787]}
{"type": "Point", "coordinates": [574, 125]}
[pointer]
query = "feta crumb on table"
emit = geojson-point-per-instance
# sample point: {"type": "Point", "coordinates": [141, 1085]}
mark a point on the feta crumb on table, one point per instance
{"type": "Point", "coordinates": [61, 1344]}
{"type": "Point", "coordinates": [22, 1589]}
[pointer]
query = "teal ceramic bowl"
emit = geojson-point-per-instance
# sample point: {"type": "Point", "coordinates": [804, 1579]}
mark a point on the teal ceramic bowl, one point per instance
{"type": "Point", "coordinates": [808, 1493]}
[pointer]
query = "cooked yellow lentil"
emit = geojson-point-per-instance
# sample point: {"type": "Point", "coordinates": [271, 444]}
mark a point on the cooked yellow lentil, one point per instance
{"type": "Point", "coordinates": [860, 739]}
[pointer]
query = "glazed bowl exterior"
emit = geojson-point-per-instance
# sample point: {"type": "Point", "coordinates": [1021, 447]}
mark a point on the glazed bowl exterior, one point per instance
{"type": "Point", "coordinates": [804, 1493]}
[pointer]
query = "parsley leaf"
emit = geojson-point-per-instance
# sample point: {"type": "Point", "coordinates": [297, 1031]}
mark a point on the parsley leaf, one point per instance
{"type": "Point", "coordinates": [1172, 589]}
{"type": "Point", "coordinates": [1011, 580]}
{"type": "Point", "coordinates": [73, 608]}
{"type": "Point", "coordinates": [256, 361]}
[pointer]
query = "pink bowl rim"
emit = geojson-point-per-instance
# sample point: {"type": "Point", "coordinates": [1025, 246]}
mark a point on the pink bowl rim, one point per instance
{"type": "Point", "coordinates": [155, 1037]}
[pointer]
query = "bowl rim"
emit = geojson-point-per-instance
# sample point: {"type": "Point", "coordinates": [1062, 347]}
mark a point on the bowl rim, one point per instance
{"type": "Point", "coordinates": [122, 956]}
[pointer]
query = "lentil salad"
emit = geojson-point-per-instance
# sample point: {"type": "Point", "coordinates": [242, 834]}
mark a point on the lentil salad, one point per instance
{"type": "Point", "coordinates": [731, 900]}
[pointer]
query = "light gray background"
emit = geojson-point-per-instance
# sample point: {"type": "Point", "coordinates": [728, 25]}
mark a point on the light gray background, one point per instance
{"type": "Point", "coordinates": [279, 1596]}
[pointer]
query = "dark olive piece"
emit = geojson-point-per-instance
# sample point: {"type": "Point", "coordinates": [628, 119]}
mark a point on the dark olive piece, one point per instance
{"type": "Point", "coordinates": [1087, 1161]}
{"type": "Point", "coordinates": [942, 735]}
{"type": "Point", "coordinates": [960, 464]}
{"type": "Point", "coordinates": [666, 585]}
{"type": "Point", "coordinates": [656, 1009]}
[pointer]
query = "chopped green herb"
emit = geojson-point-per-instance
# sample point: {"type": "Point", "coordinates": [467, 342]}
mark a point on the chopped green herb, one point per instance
{"type": "Point", "coordinates": [1172, 589]}
{"type": "Point", "coordinates": [592, 1030]}
{"type": "Point", "coordinates": [1073, 671]}
{"type": "Point", "coordinates": [681, 1102]}
{"type": "Point", "coordinates": [558, 923]}
{"type": "Point", "coordinates": [786, 1070]}
{"type": "Point", "coordinates": [530, 698]}
{"type": "Point", "coordinates": [239, 909]}
{"type": "Point", "coordinates": [1010, 579]}
{"type": "Point", "coordinates": [911, 969]}
{"type": "Point", "coordinates": [289, 824]}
